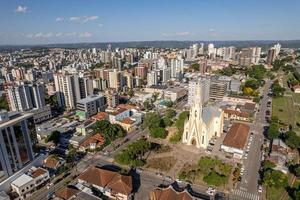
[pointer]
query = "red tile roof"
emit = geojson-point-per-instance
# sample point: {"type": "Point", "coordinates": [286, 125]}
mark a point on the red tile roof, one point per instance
{"type": "Point", "coordinates": [51, 162]}
{"type": "Point", "coordinates": [97, 138]}
{"type": "Point", "coordinates": [100, 116]}
{"type": "Point", "coordinates": [169, 194]}
{"type": "Point", "coordinates": [237, 136]}
{"type": "Point", "coordinates": [105, 178]}
{"type": "Point", "coordinates": [127, 120]}
{"type": "Point", "coordinates": [38, 172]}
{"type": "Point", "coordinates": [66, 193]}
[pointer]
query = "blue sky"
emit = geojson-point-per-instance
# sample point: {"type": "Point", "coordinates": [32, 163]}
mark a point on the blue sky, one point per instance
{"type": "Point", "coordinates": [64, 21]}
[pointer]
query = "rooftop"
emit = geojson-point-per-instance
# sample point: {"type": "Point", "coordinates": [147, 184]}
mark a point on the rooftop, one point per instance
{"type": "Point", "coordinates": [22, 180]}
{"type": "Point", "coordinates": [237, 136]}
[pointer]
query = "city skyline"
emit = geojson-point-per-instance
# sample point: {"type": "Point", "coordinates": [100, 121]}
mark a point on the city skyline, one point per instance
{"type": "Point", "coordinates": [32, 22]}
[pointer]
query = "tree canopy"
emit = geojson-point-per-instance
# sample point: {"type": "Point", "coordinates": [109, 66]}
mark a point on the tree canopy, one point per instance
{"type": "Point", "coordinates": [109, 131]}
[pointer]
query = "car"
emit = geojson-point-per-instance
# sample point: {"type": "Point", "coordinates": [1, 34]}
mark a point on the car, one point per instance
{"type": "Point", "coordinates": [178, 180]}
{"type": "Point", "coordinates": [139, 170]}
{"type": "Point", "coordinates": [168, 178]}
{"type": "Point", "coordinates": [159, 175]}
{"type": "Point", "coordinates": [210, 191]}
{"type": "Point", "coordinates": [49, 185]}
{"type": "Point", "coordinates": [260, 188]}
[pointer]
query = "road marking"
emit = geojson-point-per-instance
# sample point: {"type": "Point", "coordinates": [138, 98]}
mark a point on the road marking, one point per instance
{"type": "Point", "coordinates": [246, 195]}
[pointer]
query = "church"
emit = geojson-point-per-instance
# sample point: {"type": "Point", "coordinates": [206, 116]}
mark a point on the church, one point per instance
{"type": "Point", "coordinates": [203, 124]}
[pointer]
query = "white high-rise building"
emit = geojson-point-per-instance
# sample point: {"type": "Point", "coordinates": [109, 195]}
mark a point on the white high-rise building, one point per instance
{"type": "Point", "coordinates": [176, 67]}
{"type": "Point", "coordinates": [25, 96]}
{"type": "Point", "coordinates": [277, 48]}
{"type": "Point", "coordinates": [202, 83]}
{"type": "Point", "coordinates": [152, 78]}
{"type": "Point", "coordinates": [211, 50]}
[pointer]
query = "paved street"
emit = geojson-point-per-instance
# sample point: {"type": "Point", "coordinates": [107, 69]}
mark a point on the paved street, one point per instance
{"type": "Point", "coordinates": [249, 184]}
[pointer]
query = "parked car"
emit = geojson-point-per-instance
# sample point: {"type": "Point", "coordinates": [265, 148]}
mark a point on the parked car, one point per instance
{"type": "Point", "coordinates": [260, 188]}
{"type": "Point", "coordinates": [210, 191]}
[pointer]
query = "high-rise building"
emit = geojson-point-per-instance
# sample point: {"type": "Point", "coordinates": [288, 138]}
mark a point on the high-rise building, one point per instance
{"type": "Point", "coordinates": [24, 96]}
{"type": "Point", "coordinates": [211, 51]}
{"type": "Point", "coordinates": [218, 88]}
{"type": "Point", "coordinates": [17, 142]}
{"type": "Point", "coordinates": [271, 56]}
{"type": "Point", "coordinates": [203, 84]}
{"type": "Point", "coordinates": [152, 78]}
{"type": "Point", "coordinates": [277, 48]}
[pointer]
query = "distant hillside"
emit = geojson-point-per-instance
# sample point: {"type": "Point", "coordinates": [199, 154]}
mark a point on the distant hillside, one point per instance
{"type": "Point", "coordinates": [159, 44]}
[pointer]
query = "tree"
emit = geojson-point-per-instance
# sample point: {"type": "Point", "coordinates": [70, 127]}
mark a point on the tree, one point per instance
{"type": "Point", "coordinates": [54, 137]}
{"type": "Point", "coordinates": [267, 165]}
{"type": "Point", "coordinates": [170, 113]}
{"type": "Point", "coordinates": [275, 178]}
{"type": "Point", "coordinates": [181, 119]}
{"type": "Point", "coordinates": [109, 131]}
{"type": "Point", "coordinates": [152, 120]}
{"type": "Point", "coordinates": [169, 104]}
{"type": "Point", "coordinates": [273, 131]}
{"type": "Point", "coordinates": [215, 179]}
{"type": "Point", "coordinates": [277, 90]}
{"type": "Point", "coordinates": [206, 164]}
{"type": "Point", "coordinates": [252, 83]}
{"type": "Point", "coordinates": [196, 67]}
{"type": "Point", "coordinates": [4, 103]}
{"type": "Point", "coordinates": [148, 104]}
{"type": "Point", "coordinates": [131, 93]}
{"type": "Point", "coordinates": [292, 139]}
{"type": "Point", "coordinates": [158, 132]}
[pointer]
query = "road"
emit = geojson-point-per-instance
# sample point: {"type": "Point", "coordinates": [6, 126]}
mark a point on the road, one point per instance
{"type": "Point", "coordinates": [249, 184]}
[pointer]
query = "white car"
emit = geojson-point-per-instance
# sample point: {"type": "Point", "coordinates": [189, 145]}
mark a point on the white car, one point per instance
{"type": "Point", "coordinates": [178, 180]}
{"type": "Point", "coordinates": [210, 191]}
{"type": "Point", "coordinates": [260, 189]}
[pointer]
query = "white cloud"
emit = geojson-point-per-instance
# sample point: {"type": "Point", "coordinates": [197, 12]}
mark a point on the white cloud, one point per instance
{"type": "Point", "coordinates": [85, 35]}
{"type": "Point", "coordinates": [89, 18]}
{"type": "Point", "coordinates": [75, 18]}
{"type": "Point", "coordinates": [100, 25]}
{"type": "Point", "coordinates": [185, 33]}
{"type": "Point", "coordinates": [59, 19]}
{"type": "Point", "coordinates": [21, 9]}
{"type": "Point", "coordinates": [58, 34]}
{"type": "Point", "coordinates": [71, 34]}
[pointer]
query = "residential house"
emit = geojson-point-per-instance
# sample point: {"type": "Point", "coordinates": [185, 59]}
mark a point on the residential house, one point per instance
{"type": "Point", "coordinates": [92, 142]}
{"type": "Point", "coordinates": [236, 115]}
{"type": "Point", "coordinates": [170, 193]}
{"type": "Point", "coordinates": [29, 182]}
{"type": "Point", "coordinates": [111, 184]}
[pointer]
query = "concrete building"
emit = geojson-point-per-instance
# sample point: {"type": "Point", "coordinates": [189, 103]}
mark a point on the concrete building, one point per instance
{"type": "Point", "coordinates": [89, 106]}
{"type": "Point", "coordinates": [218, 88]}
{"type": "Point", "coordinates": [24, 96]}
{"type": "Point", "coordinates": [271, 56]}
{"type": "Point", "coordinates": [17, 146]}
{"type": "Point", "coordinates": [202, 83]}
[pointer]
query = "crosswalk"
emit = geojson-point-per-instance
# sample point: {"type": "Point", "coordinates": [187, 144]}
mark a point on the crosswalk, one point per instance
{"type": "Point", "coordinates": [246, 195]}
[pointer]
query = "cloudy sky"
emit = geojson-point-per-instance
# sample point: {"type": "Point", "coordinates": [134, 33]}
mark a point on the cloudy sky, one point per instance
{"type": "Point", "coordinates": [68, 21]}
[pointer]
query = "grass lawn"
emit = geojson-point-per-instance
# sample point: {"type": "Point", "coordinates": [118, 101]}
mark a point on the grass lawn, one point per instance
{"type": "Point", "coordinates": [282, 107]}
{"type": "Point", "coordinates": [275, 193]}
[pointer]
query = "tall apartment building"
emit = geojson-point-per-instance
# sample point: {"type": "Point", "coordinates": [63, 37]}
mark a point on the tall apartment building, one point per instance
{"type": "Point", "coordinates": [203, 84]}
{"type": "Point", "coordinates": [249, 56]}
{"type": "Point", "coordinates": [218, 88]}
{"type": "Point", "coordinates": [152, 78]}
{"type": "Point", "coordinates": [17, 143]}
{"type": "Point", "coordinates": [71, 87]}
{"type": "Point", "coordinates": [112, 98]}
{"type": "Point", "coordinates": [271, 56]}
{"type": "Point", "coordinates": [25, 96]}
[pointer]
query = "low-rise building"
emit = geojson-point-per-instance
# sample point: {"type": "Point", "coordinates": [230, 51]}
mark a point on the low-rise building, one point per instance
{"type": "Point", "coordinates": [29, 182]}
{"type": "Point", "coordinates": [170, 193]}
{"type": "Point", "coordinates": [235, 140]}
{"type": "Point", "coordinates": [236, 115]}
{"type": "Point", "coordinates": [92, 142]}
{"type": "Point", "coordinates": [111, 184]}
{"type": "Point", "coordinates": [53, 163]}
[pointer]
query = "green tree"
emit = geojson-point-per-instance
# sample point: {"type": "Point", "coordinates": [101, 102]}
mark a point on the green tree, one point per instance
{"type": "Point", "coordinates": [109, 131]}
{"type": "Point", "coordinates": [131, 93]}
{"type": "Point", "coordinates": [206, 164]}
{"type": "Point", "coordinates": [158, 132]}
{"type": "Point", "coordinates": [4, 103]}
{"type": "Point", "coordinates": [180, 121]}
{"type": "Point", "coordinates": [152, 120]}
{"type": "Point", "coordinates": [275, 178]}
{"type": "Point", "coordinates": [214, 179]}
{"type": "Point", "coordinates": [292, 139]}
{"type": "Point", "coordinates": [170, 113]}
{"type": "Point", "coordinates": [252, 83]}
{"type": "Point", "coordinates": [54, 137]}
{"type": "Point", "coordinates": [195, 67]}
{"type": "Point", "coordinates": [268, 165]}
{"type": "Point", "coordinates": [273, 131]}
